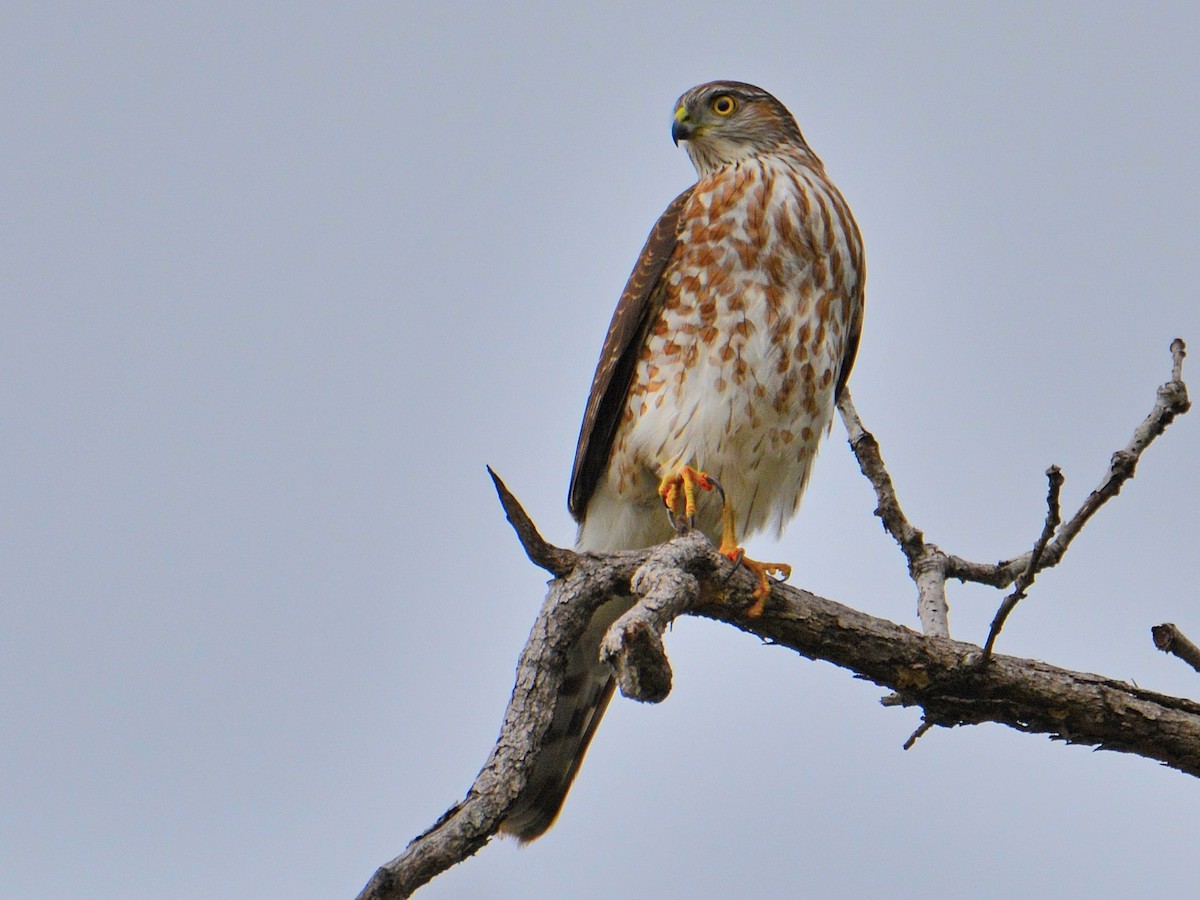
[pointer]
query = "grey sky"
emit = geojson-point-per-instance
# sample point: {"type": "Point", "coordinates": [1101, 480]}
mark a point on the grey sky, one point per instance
{"type": "Point", "coordinates": [279, 282]}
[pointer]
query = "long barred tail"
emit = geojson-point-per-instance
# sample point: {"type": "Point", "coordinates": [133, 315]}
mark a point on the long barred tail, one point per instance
{"type": "Point", "coordinates": [587, 687]}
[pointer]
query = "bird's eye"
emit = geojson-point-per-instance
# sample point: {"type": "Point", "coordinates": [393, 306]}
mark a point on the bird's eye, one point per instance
{"type": "Point", "coordinates": [723, 105]}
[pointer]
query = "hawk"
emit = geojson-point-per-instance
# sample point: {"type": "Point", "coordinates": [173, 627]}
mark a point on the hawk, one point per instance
{"type": "Point", "coordinates": [732, 339]}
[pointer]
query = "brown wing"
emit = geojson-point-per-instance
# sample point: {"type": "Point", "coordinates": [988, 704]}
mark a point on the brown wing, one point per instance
{"type": "Point", "coordinates": [851, 351]}
{"type": "Point", "coordinates": [618, 359]}
{"type": "Point", "coordinates": [857, 296]}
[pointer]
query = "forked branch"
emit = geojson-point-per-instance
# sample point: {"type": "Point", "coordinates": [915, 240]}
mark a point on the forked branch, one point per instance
{"type": "Point", "coordinates": [944, 678]}
{"type": "Point", "coordinates": [929, 566]}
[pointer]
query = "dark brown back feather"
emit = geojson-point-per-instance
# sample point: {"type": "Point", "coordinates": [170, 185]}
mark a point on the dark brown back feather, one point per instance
{"type": "Point", "coordinates": [618, 360]}
{"type": "Point", "coordinates": [857, 295]}
{"type": "Point", "coordinates": [852, 339]}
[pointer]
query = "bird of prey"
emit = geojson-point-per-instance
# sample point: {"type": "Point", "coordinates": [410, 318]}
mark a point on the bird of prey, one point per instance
{"type": "Point", "coordinates": [732, 339]}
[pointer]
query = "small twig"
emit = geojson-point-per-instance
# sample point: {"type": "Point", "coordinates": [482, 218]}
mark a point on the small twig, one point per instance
{"type": "Point", "coordinates": [555, 560]}
{"type": "Point", "coordinates": [866, 451]}
{"type": "Point", "coordinates": [1169, 639]}
{"type": "Point", "coordinates": [929, 566]}
{"type": "Point", "coordinates": [924, 729]}
{"type": "Point", "coordinates": [1053, 518]}
{"type": "Point", "coordinates": [926, 563]}
{"type": "Point", "coordinates": [1171, 401]}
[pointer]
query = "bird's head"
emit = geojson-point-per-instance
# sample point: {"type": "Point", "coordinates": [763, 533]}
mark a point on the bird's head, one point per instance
{"type": "Point", "coordinates": [724, 122]}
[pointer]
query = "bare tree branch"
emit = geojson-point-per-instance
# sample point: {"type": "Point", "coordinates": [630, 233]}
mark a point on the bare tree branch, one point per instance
{"type": "Point", "coordinates": [921, 731]}
{"type": "Point", "coordinates": [929, 566]}
{"type": "Point", "coordinates": [941, 676]}
{"type": "Point", "coordinates": [555, 560]}
{"type": "Point", "coordinates": [1170, 639]}
{"type": "Point", "coordinates": [470, 824]}
{"type": "Point", "coordinates": [1053, 518]}
{"type": "Point", "coordinates": [1171, 401]}
{"type": "Point", "coordinates": [866, 451]}
{"type": "Point", "coordinates": [926, 563]}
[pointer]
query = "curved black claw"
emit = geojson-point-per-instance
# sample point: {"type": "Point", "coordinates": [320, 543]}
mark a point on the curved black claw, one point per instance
{"type": "Point", "coordinates": [737, 564]}
{"type": "Point", "coordinates": [720, 490]}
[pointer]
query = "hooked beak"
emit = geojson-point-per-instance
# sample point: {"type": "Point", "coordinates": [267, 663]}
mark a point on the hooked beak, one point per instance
{"type": "Point", "coordinates": [682, 128]}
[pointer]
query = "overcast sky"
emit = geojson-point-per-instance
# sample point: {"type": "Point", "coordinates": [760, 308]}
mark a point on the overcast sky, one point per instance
{"type": "Point", "coordinates": [278, 282]}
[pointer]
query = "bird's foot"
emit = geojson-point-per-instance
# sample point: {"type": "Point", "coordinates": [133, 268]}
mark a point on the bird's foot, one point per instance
{"type": "Point", "coordinates": [678, 494]}
{"type": "Point", "coordinates": [762, 571]}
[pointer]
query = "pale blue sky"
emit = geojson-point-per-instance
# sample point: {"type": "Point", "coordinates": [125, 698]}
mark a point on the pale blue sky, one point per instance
{"type": "Point", "coordinates": [279, 281]}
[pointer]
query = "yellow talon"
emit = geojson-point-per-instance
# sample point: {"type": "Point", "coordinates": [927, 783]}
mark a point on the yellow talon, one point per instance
{"type": "Point", "coordinates": [729, 547]}
{"type": "Point", "coordinates": [689, 479]}
{"type": "Point", "coordinates": [763, 589]}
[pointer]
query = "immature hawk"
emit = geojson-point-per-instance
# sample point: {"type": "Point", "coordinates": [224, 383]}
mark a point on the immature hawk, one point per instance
{"type": "Point", "coordinates": [728, 348]}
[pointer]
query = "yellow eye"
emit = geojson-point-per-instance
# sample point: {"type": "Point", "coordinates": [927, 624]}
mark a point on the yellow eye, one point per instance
{"type": "Point", "coordinates": [723, 105]}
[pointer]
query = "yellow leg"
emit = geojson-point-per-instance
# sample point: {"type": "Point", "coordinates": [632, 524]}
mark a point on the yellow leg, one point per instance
{"type": "Point", "coordinates": [729, 547]}
{"type": "Point", "coordinates": [729, 544]}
